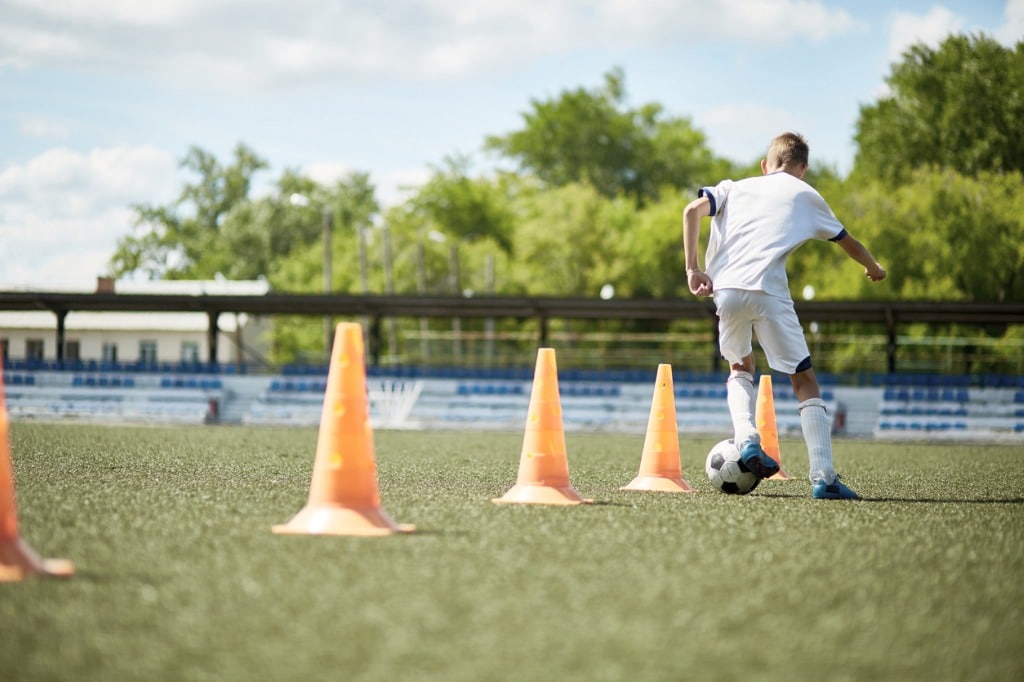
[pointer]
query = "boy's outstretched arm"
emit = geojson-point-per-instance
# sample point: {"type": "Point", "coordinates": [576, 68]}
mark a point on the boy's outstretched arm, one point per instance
{"type": "Point", "coordinates": [858, 252]}
{"type": "Point", "coordinates": [696, 279]}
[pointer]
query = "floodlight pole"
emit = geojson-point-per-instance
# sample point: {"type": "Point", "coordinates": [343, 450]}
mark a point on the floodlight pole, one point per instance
{"type": "Point", "coordinates": [328, 218]}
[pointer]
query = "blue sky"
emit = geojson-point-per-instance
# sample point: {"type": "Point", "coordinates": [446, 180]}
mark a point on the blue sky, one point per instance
{"type": "Point", "coordinates": [101, 99]}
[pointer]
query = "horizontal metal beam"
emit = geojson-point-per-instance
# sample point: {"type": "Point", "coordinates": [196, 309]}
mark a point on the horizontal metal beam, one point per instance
{"type": "Point", "coordinates": [519, 307]}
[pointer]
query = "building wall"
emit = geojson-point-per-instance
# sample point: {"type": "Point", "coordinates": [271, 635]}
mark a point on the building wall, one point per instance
{"type": "Point", "coordinates": [168, 344]}
{"type": "Point", "coordinates": [247, 343]}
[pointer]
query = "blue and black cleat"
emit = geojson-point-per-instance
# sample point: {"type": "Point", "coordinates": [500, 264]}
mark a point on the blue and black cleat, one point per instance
{"type": "Point", "coordinates": [758, 461]}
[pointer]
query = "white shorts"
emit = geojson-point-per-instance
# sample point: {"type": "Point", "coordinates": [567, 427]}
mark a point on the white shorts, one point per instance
{"type": "Point", "coordinates": [741, 312]}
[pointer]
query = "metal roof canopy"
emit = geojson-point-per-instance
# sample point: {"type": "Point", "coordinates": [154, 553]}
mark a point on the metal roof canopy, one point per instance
{"type": "Point", "coordinates": [887, 313]}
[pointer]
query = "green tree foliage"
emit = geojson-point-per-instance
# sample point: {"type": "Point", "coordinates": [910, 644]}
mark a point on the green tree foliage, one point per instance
{"type": "Point", "coordinates": [652, 250]}
{"type": "Point", "coordinates": [567, 241]}
{"type": "Point", "coordinates": [293, 238]}
{"type": "Point", "coordinates": [297, 213]}
{"type": "Point", "coordinates": [942, 236]}
{"type": "Point", "coordinates": [182, 240]}
{"type": "Point", "coordinates": [465, 208]}
{"type": "Point", "coordinates": [590, 136]}
{"type": "Point", "coordinates": [960, 105]}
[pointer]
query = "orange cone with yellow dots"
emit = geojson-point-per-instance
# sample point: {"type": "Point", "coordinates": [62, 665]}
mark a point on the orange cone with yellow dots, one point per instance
{"type": "Point", "coordinates": [17, 560]}
{"type": "Point", "coordinates": [543, 464]}
{"type": "Point", "coordinates": [343, 496]}
{"type": "Point", "coordinates": [766, 425]}
{"type": "Point", "coordinates": [660, 468]}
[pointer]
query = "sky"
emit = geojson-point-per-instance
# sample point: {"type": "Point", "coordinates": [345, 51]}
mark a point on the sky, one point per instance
{"type": "Point", "coordinates": [100, 100]}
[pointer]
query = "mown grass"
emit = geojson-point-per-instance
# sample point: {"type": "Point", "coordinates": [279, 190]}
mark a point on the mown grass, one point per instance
{"type": "Point", "coordinates": [179, 577]}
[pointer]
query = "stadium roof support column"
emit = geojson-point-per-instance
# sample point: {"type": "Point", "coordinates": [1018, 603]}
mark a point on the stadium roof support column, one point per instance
{"type": "Point", "coordinates": [61, 334]}
{"type": "Point", "coordinates": [374, 341]}
{"type": "Point", "coordinates": [890, 330]}
{"type": "Point", "coordinates": [211, 337]}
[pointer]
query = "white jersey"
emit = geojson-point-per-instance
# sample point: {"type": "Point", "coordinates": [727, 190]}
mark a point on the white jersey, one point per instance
{"type": "Point", "coordinates": [757, 223]}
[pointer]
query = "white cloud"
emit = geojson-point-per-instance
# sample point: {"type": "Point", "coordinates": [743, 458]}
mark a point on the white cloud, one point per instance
{"type": "Point", "coordinates": [62, 212]}
{"type": "Point", "coordinates": [327, 172]}
{"type": "Point", "coordinates": [931, 29]}
{"type": "Point", "coordinates": [1012, 32]}
{"type": "Point", "coordinates": [116, 11]}
{"type": "Point", "coordinates": [743, 131]}
{"type": "Point", "coordinates": [44, 129]}
{"type": "Point", "coordinates": [263, 43]}
{"type": "Point", "coordinates": [395, 186]}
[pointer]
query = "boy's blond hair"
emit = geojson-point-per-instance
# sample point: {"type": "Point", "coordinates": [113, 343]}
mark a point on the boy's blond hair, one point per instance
{"type": "Point", "coordinates": [788, 150]}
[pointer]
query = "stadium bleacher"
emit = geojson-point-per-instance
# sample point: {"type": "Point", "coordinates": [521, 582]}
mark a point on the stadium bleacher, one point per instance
{"type": "Point", "coordinates": [901, 406]}
{"type": "Point", "coordinates": [995, 409]}
{"type": "Point", "coordinates": [108, 396]}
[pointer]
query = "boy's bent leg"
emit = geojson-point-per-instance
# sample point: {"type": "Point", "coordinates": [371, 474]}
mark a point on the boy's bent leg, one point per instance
{"type": "Point", "coordinates": [742, 399]}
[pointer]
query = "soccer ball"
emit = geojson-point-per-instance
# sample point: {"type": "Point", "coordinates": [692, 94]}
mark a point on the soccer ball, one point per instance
{"type": "Point", "coordinates": [727, 472]}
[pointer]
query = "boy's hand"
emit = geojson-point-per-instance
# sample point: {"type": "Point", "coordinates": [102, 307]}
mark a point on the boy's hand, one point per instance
{"type": "Point", "coordinates": [875, 274]}
{"type": "Point", "coordinates": [699, 283]}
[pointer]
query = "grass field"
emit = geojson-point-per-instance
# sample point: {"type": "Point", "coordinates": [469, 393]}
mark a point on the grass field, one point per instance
{"type": "Point", "coordinates": [179, 577]}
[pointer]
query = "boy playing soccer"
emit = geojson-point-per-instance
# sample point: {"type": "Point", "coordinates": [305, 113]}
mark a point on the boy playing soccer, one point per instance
{"type": "Point", "coordinates": [757, 222]}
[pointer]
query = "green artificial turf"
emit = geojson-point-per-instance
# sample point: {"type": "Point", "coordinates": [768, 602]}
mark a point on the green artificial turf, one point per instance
{"type": "Point", "coordinates": [180, 578]}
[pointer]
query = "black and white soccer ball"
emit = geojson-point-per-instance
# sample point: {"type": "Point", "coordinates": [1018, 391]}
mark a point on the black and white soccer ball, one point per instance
{"type": "Point", "coordinates": [727, 472]}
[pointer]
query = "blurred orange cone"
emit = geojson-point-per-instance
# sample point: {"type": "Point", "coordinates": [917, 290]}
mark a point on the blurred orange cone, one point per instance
{"type": "Point", "coordinates": [543, 465]}
{"type": "Point", "coordinates": [660, 469]}
{"type": "Point", "coordinates": [343, 496]}
{"type": "Point", "coordinates": [17, 559]}
{"type": "Point", "coordinates": [766, 426]}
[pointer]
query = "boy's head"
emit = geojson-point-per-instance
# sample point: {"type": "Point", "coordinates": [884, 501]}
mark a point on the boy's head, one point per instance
{"type": "Point", "coordinates": [788, 152]}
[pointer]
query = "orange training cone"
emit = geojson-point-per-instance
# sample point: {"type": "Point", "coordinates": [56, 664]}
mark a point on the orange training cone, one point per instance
{"type": "Point", "coordinates": [343, 496]}
{"type": "Point", "coordinates": [17, 559]}
{"type": "Point", "coordinates": [543, 466]}
{"type": "Point", "coordinates": [766, 426]}
{"type": "Point", "coordinates": [660, 469]}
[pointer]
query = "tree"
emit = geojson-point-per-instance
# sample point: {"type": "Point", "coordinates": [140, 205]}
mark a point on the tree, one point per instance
{"type": "Point", "coordinates": [567, 241]}
{"type": "Point", "coordinates": [942, 235]}
{"type": "Point", "coordinates": [462, 207]}
{"type": "Point", "coordinates": [179, 238]}
{"type": "Point", "coordinates": [290, 227]}
{"type": "Point", "coordinates": [590, 136]}
{"type": "Point", "coordinates": [960, 106]}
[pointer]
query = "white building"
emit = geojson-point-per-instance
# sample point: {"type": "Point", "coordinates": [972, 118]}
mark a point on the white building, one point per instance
{"type": "Point", "coordinates": [140, 337]}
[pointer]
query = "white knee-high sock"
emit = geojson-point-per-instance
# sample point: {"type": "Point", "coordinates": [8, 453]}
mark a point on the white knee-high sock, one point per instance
{"type": "Point", "coordinates": [741, 397]}
{"type": "Point", "coordinates": [817, 429]}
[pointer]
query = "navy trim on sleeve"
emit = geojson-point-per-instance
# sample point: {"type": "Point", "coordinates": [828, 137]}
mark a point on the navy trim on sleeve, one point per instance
{"type": "Point", "coordinates": [703, 192]}
{"type": "Point", "coordinates": [842, 233]}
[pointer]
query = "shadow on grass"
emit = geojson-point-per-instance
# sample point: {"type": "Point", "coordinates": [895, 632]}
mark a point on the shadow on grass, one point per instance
{"type": "Point", "coordinates": [945, 500]}
{"type": "Point", "coordinates": [780, 495]}
{"type": "Point", "coordinates": [907, 500]}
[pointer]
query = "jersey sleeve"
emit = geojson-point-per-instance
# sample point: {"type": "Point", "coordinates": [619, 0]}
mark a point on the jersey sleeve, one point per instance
{"type": "Point", "coordinates": [827, 226]}
{"type": "Point", "coordinates": [716, 195]}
